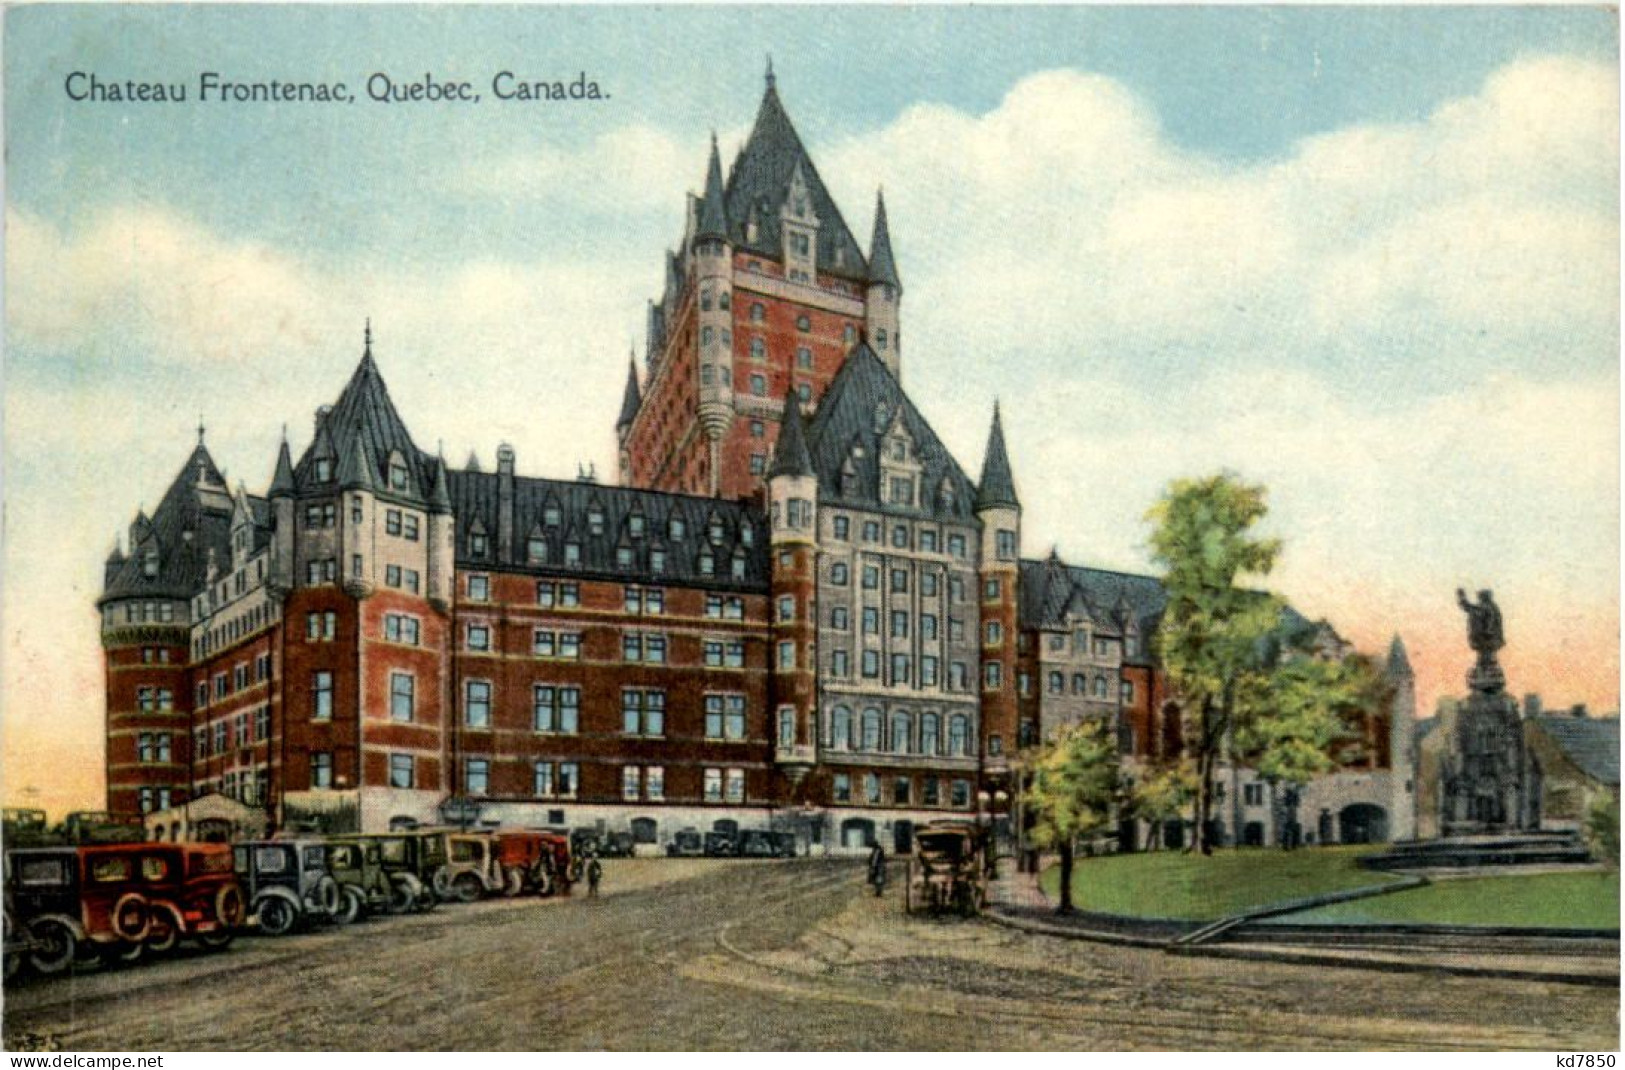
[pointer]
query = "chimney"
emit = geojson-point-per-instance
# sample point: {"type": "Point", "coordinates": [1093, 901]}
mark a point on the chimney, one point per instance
{"type": "Point", "coordinates": [505, 459]}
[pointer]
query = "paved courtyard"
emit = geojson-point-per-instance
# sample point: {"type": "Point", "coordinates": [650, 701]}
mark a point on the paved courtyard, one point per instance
{"type": "Point", "coordinates": [701, 954]}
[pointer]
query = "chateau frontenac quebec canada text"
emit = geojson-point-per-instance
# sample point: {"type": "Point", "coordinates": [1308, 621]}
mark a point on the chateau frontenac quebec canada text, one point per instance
{"type": "Point", "coordinates": [795, 611]}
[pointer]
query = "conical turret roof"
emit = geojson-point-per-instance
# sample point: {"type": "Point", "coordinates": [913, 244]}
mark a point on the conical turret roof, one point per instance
{"type": "Point", "coordinates": [882, 266]}
{"type": "Point", "coordinates": [790, 455]}
{"type": "Point", "coordinates": [1399, 663]}
{"type": "Point", "coordinates": [282, 484]}
{"type": "Point", "coordinates": [632, 400]}
{"type": "Point", "coordinates": [997, 487]}
{"type": "Point", "coordinates": [713, 221]}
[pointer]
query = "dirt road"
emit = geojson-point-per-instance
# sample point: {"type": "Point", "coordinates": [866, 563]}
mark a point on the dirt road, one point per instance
{"type": "Point", "coordinates": [724, 955]}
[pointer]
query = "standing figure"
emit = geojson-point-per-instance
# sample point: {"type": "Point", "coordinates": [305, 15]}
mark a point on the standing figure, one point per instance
{"type": "Point", "coordinates": [1484, 632]}
{"type": "Point", "coordinates": [877, 866]}
{"type": "Point", "coordinates": [595, 873]}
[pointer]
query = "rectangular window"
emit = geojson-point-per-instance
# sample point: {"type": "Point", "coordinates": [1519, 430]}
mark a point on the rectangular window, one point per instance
{"type": "Point", "coordinates": [556, 709]}
{"type": "Point", "coordinates": [899, 580]}
{"type": "Point", "coordinates": [321, 696]}
{"type": "Point", "coordinates": [411, 577]}
{"type": "Point", "coordinates": [543, 782]}
{"type": "Point", "coordinates": [840, 664]}
{"type": "Point", "coordinates": [569, 779]}
{"type": "Point", "coordinates": [220, 737]}
{"type": "Point", "coordinates": [871, 577]}
{"type": "Point", "coordinates": [899, 669]}
{"type": "Point", "coordinates": [392, 521]}
{"type": "Point", "coordinates": [961, 794]}
{"type": "Point", "coordinates": [409, 527]}
{"type": "Point", "coordinates": [1252, 794]}
{"type": "Point", "coordinates": [569, 595]}
{"type": "Point", "coordinates": [787, 608]}
{"type": "Point", "coordinates": [871, 788]}
{"type": "Point", "coordinates": [735, 785]}
{"type": "Point", "coordinates": [899, 624]}
{"type": "Point", "coordinates": [569, 644]}
{"type": "Point", "coordinates": [239, 677]}
{"type": "Point", "coordinates": [930, 792]}
{"type": "Point", "coordinates": [871, 621]}
{"type": "Point", "coordinates": [713, 785]}
{"type": "Point", "coordinates": [479, 637]}
{"type": "Point", "coordinates": [902, 789]}
{"type": "Point", "coordinates": [787, 656]}
{"type": "Point", "coordinates": [992, 676]}
{"type": "Point", "coordinates": [543, 643]}
{"type": "Point", "coordinates": [929, 584]}
{"type": "Point", "coordinates": [871, 663]}
{"type": "Point", "coordinates": [631, 782]}
{"type": "Point", "coordinates": [479, 588]}
{"type": "Point", "coordinates": [477, 776]}
{"type": "Point", "coordinates": [401, 696]}
{"type": "Point", "coordinates": [544, 594]}
{"type": "Point", "coordinates": [928, 671]}
{"type": "Point", "coordinates": [402, 771]}
{"type": "Point", "coordinates": [355, 565]}
{"type": "Point", "coordinates": [321, 769]}
{"type": "Point", "coordinates": [654, 783]}
{"type": "Point", "coordinates": [262, 723]}
{"type": "Point", "coordinates": [477, 706]}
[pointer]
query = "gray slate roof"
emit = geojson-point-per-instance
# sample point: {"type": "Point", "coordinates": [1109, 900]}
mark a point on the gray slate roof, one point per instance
{"type": "Point", "coordinates": [474, 498]}
{"type": "Point", "coordinates": [882, 265]}
{"type": "Point", "coordinates": [857, 409]}
{"type": "Point", "coordinates": [759, 181]}
{"type": "Point", "coordinates": [1051, 589]}
{"type": "Point", "coordinates": [1592, 743]}
{"type": "Point", "coordinates": [182, 531]}
{"type": "Point", "coordinates": [632, 400]}
{"type": "Point", "coordinates": [359, 434]}
{"type": "Point", "coordinates": [790, 456]}
{"type": "Point", "coordinates": [997, 486]}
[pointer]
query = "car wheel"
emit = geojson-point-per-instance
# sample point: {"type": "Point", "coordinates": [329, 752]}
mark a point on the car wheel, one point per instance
{"type": "Point", "coordinates": [425, 901]}
{"type": "Point", "coordinates": [466, 887]}
{"type": "Point", "coordinates": [165, 934]}
{"type": "Point", "coordinates": [55, 946]}
{"type": "Point", "coordinates": [277, 916]}
{"type": "Point", "coordinates": [401, 898]}
{"type": "Point", "coordinates": [132, 916]}
{"type": "Point", "coordinates": [123, 954]}
{"type": "Point", "coordinates": [351, 907]}
{"type": "Point", "coordinates": [441, 883]}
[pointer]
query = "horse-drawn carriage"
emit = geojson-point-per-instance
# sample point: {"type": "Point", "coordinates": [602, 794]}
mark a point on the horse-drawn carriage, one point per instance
{"type": "Point", "coordinates": [948, 870]}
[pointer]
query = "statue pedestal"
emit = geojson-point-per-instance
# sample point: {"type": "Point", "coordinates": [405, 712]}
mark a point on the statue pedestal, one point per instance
{"type": "Point", "coordinates": [1487, 779]}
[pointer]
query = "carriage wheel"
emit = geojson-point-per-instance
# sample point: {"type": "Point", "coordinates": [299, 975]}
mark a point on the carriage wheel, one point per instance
{"type": "Point", "coordinates": [55, 946]}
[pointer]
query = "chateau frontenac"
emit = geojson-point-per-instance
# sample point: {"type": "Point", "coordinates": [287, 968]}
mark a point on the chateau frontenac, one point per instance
{"type": "Point", "coordinates": [796, 610]}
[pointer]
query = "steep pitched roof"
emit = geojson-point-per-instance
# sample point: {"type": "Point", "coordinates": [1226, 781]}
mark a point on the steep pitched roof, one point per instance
{"type": "Point", "coordinates": [1591, 743]}
{"type": "Point", "coordinates": [997, 487]}
{"type": "Point", "coordinates": [282, 484]}
{"type": "Point", "coordinates": [713, 221]}
{"type": "Point", "coordinates": [790, 456]}
{"type": "Point", "coordinates": [861, 403]}
{"type": "Point", "coordinates": [882, 266]}
{"type": "Point", "coordinates": [475, 501]}
{"type": "Point", "coordinates": [1051, 589]}
{"type": "Point", "coordinates": [759, 180]}
{"type": "Point", "coordinates": [1399, 663]}
{"type": "Point", "coordinates": [632, 400]}
{"type": "Point", "coordinates": [193, 519]}
{"type": "Point", "coordinates": [365, 414]}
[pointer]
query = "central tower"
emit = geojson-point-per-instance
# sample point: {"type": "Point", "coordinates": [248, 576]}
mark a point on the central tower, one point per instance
{"type": "Point", "coordinates": [765, 296]}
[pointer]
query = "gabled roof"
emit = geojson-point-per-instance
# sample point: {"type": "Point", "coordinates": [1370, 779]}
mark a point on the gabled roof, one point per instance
{"type": "Point", "coordinates": [760, 179]}
{"type": "Point", "coordinates": [193, 519]}
{"type": "Point", "coordinates": [1051, 589]}
{"type": "Point", "coordinates": [862, 402]}
{"type": "Point", "coordinates": [790, 456]}
{"type": "Point", "coordinates": [364, 427]}
{"type": "Point", "coordinates": [1591, 743]}
{"type": "Point", "coordinates": [475, 501]}
{"type": "Point", "coordinates": [997, 487]}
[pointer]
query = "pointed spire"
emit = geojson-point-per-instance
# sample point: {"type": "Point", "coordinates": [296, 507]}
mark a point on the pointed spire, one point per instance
{"type": "Point", "coordinates": [358, 472]}
{"type": "Point", "coordinates": [632, 400]}
{"type": "Point", "coordinates": [790, 455]}
{"type": "Point", "coordinates": [200, 429]}
{"type": "Point", "coordinates": [1399, 664]}
{"type": "Point", "coordinates": [473, 462]}
{"type": "Point", "coordinates": [882, 266]}
{"type": "Point", "coordinates": [282, 481]}
{"type": "Point", "coordinates": [996, 487]}
{"type": "Point", "coordinates": [439, 489]}
{"type": "Point", "coordinates": [771, 81]}
{"type": "Point", "coordinates": [713, 221]}
{"type": "Point", "coordinates": [366, 340]}
{"type": "Point", "coordinates": [117, 556]}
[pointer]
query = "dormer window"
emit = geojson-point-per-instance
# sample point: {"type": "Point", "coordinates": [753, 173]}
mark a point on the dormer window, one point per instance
{"type": "Point", "coordinates": [739, 565]}
{"type": "Point", "coordinates": [708, 564]}
{"type": "Point", "coordinates": [595, 520]}
{"type": "Point", "coordinates": [478, 544]}
{"type": "Point", "coordinates": [397, 473]}
{"type": "Point", "coordinates": [716, 530]}
{"type": "Point", "coordinates": [550, 515]}
{"type": "Point", "coordinates": [149, 564]}
{"type": "Point", "coordinates": [747, 535]}
{"type": "Point", "coordinates": [676, 528]}
{"type": "Point", "coordinates": [536, 549]}
{"type": "Point", "coordinates": [799, 244]}
{"type": "Point", "coordinates": [324, 470]}
{"type": "Point", "coordinates": [572, 553]}
{"type": "Point", "coordinates": [623, 557]}
{"type": "Point", "coordinates": [635, 526]}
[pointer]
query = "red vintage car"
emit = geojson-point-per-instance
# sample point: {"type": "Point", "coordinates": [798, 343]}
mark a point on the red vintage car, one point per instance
{"type": "Point", "coordinates": [533, 861]}
{"type": "Point", "coordinates": [192, 892]}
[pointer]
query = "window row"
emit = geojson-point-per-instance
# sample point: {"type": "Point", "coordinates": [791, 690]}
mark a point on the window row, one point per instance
{"type": "Point", "coordinates": [401, 524]}
{"type": "Point", "coordinates": [901, 789]}
{"type": "Point", "coordinates": [902, 668]}
{"type": "Point", "coordinates": [237, 680]}
{"type": "Point", "coordinates": [243, 730]}
{"type": "Point", "coordinates": [901, 733]}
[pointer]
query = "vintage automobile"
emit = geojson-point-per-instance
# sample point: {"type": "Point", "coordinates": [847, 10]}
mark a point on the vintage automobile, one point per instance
{"type": "Point", "coordinates": [616, 845]}
{"type": "Point", "coordinates": [100, 826]}
{"type": "Point", "coordinates": [785, 842]}
{"type": "Point", "coordinates": [25, 828]}
{"type": "Point", "coordinates": [721, 845]}
{"type": "Point", "coordinates": [948, 870]}
{"type": "Point", "coordinates": [474, 866]}
{"type": "Point", "coordinates": [287, 883]}
{"type": "Point", "coordinates": [688, 843]}
{"type": "Point", "coordinates": [357, 864]}
{"type": "Point", "coordinates": [415, 859]}
{"type": "Point", "coordinates": [757, 843]}
{"type": "Point", "coordinates": [66, 916]}
{"type": "Point", "coordinates": [192, 893]}
{"type": "Point", "coordinates": [533, 861]}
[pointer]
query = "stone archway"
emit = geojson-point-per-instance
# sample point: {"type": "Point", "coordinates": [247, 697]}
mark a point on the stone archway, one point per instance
{"type": "Point", "coordinates": [1362, 823]}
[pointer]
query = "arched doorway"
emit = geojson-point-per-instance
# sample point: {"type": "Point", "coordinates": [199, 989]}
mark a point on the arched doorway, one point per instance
{"type": "Point", "coordinates": [645, 830]}
{"type": "Point", "coordinates": [1252, 834]}
{"type": "Point", "coordinates": [1363, 823]}
{"type": "Point", "coordinates": [857, 832]}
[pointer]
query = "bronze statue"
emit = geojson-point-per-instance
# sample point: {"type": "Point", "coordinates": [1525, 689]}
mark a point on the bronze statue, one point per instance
{"type": "Point", "coordinates": [1484, 633]}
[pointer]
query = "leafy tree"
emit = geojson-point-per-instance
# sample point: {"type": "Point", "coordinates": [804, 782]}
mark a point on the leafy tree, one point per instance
{"type": "Point", "coordinates": [1162, 794]}
{"type": "Point", "coordinates": [1602, 828]}
{"type": "Point", "coordinates": [1214, 633]}
{"type": "Point", "coordinates": [1074, 790]}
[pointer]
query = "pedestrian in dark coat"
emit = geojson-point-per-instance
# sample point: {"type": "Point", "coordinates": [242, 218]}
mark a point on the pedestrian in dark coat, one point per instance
{"type": "Point", "coordinates": [595, 873]}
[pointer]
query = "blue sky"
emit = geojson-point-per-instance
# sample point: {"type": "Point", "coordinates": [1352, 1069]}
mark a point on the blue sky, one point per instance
{"type": "Point", "coordinates": [1368, 256]}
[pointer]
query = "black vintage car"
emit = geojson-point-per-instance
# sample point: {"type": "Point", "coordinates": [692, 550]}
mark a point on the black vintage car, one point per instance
{"type": "Point", "coordinates": [287, 883]}
{"type": "Point", "coordinates": [785, 842]}
{"type": "Point", "coordinates": [686, 844]}
{"type": "Point", "coordinates": [757, 843]}
{"type": "Point", "coordinates": [416, 861]}
{"type": "Point", "coordinates": [721, 845]}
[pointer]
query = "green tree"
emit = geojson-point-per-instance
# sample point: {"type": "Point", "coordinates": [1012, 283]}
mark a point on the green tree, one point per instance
{"type": "Point", "coordinates": [1602, 828]}
{"type": "Point", "coordinates": [1162, 794]}
{"type": "Point", "coordinates": [1214, 633]}
{"type": "Point", "coordinates": [1074, 791]}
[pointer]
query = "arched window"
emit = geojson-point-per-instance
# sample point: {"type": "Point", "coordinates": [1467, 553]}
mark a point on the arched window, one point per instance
{"type": "Point", "coordinates": [871, 729]}
{"type": "Point", "coordinates": [1056, 683]}
{"type": "Point", "coordinates": [758, 349]}
{"type": "Point", "coordinates": [758, 386]}
{"type": "Point", "coordinates": [958, 735]}
{"type": "Point", "coordinates": [724, 302]}
{"type": "Point", "coordinates": [930, 738]}
{"type": "Point", "coordinates": [840, 732]}
{"type": "Point", "coordinates": [757, 312]}
{"type": "Point", "coordinates": [901, 732]}
{"type": "Point", "coordinates": [705, 300]}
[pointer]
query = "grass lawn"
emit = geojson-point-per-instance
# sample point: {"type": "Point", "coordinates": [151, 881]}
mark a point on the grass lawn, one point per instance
{"type": "Point", "coordinates": [1171, 884]}
{"type": "Point", "coordinates": [1537, 900]}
